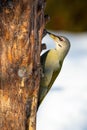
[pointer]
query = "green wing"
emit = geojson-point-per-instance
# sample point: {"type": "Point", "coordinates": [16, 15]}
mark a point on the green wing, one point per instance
{"type": "Point", "coordinates": [49, 77]}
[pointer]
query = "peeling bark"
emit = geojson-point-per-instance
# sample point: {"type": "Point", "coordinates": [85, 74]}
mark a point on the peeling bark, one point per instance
{"type": "Point", "coordinates": [21, 28]}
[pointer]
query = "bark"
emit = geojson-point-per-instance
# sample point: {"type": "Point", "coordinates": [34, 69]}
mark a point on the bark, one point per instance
{"type": "Point", "coordinates": [21, 28]}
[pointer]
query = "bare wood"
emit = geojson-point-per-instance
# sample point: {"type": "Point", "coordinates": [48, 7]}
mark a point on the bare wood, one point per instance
{"type": "Point", "coordinates": [21, 28]}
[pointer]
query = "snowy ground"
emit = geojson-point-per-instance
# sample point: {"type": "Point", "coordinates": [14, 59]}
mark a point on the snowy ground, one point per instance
{"type": "Point", "coordinates": [65, 107]}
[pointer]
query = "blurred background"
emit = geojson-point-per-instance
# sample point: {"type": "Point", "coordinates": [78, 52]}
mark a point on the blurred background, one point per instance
{"type": "Point", "coordinates": [70, 15]}
{"type": "Point", "coordinates": [65, 106]}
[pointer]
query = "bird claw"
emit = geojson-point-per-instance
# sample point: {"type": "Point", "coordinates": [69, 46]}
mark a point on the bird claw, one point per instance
{"type": "Point", "coordinates": [43, 47]}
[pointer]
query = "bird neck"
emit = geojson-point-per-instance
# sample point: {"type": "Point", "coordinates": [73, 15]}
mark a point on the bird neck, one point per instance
{"type": "Point", "coordinates": [61, 53]}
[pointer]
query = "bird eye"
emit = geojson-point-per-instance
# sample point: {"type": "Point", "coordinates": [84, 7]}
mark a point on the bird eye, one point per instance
{"type": "Point", "coordinates": [61, 38]}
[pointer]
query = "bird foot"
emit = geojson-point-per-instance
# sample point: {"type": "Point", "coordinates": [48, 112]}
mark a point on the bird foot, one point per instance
{"type": "Point", "coordinates": [43, 47]}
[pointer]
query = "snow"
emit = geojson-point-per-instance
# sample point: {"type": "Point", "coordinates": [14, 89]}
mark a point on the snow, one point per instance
{"type": "Point", "coordinates": [65, 106]}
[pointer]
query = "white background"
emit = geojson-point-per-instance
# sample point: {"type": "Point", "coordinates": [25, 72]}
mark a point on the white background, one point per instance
{"type": "Point", "coordinates": [65, 106]}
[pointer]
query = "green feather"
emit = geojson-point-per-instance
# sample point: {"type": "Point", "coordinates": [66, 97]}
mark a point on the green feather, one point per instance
{"type": "Point", "coordinates": [51, 70]}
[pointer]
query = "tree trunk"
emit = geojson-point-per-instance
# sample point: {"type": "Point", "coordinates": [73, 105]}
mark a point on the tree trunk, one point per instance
{"type": "Point", "coordinates": [21, 28]}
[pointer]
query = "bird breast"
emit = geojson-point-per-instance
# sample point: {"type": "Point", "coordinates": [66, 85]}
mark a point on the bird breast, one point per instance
{"type": "Point", "coordinates": [52, 60]}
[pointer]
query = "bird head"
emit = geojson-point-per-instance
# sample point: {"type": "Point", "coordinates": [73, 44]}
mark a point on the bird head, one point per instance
{"type": "Point", "coordinates": [62, 43]}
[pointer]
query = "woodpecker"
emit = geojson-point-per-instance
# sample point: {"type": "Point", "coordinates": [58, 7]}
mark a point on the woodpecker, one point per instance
{"type": "Point", "coordinates": [51, 63]}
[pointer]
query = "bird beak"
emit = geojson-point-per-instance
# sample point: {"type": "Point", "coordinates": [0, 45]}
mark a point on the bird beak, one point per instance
{"type": "Point", "coordinates": [54, 36]}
